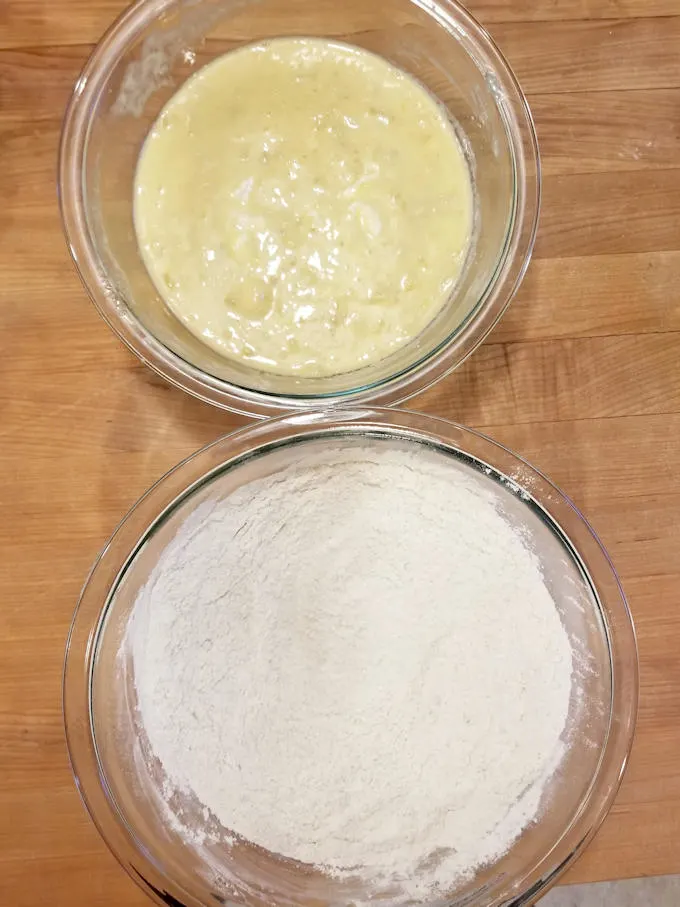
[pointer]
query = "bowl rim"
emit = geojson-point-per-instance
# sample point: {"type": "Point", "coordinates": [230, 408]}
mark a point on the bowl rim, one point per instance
{"type": "Point", "coordinates": [256, 438]}
{"type": "Point", "coordinates": [395, 388]}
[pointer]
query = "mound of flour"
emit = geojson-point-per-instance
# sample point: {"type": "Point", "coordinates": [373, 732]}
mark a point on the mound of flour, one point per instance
{"type": "Point", "coordinates": [355, 663]}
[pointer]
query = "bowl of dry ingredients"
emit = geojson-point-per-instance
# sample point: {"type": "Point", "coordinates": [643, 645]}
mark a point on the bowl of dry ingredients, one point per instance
{"type": "Point", "coordinates": [348, 656]}
{"type": "Point", "coordinates": [278, 204]}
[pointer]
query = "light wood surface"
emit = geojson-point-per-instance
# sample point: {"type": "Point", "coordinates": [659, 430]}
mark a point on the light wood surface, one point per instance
{"type": "Point", "coordinates": [582, 377]}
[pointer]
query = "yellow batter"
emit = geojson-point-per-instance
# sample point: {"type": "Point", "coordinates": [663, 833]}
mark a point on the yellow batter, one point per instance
{"type": "Point", "coordinates": [303, 205]}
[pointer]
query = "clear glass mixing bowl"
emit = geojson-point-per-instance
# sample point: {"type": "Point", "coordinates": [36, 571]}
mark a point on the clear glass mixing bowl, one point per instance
{"type": "Point", "coordinates": [122, 787]}
{"type": "Point", "coordinates": [157, 44]}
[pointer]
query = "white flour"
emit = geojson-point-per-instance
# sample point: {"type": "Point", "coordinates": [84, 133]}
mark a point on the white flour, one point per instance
{"type": "Point", "coordinates": [355, 663]}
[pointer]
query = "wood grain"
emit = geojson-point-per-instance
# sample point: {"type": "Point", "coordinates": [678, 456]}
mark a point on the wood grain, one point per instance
{"type": "Point", "coordinates": [593, 55]}
{"type": "Point", "coordinates": [39, 23]}
{"type": "Point", "coordinates": [582, 377]}
{"type": "Point", "coordinates": [608, 131]}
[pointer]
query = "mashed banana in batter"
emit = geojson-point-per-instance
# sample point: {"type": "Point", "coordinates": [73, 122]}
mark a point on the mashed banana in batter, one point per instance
{"type": "Point", "coordinates": [304, 206]}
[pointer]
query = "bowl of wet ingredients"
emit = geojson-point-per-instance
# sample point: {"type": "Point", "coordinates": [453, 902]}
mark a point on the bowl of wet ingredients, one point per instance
{"type": "Point", "coordinates": [346, 656]}
{"type": "Point", "coordinates": [281, 204]}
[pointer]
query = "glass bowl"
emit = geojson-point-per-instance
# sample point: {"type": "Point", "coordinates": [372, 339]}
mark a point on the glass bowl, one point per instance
{"type": "Point", "coordinates": [157, 44]}
{"type": "Point", "coordinates": [121, 787]}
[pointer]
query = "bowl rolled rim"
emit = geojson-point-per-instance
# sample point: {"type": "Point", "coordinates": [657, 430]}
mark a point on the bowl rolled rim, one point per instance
{"type": "Point", "coordinates": [396, 388]}
{"type": "Point", "coordinates": [180, 482]}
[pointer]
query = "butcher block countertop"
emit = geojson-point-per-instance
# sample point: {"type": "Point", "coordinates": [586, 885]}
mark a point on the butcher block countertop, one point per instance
{"type": "Point", "coordinates": [582, 377]}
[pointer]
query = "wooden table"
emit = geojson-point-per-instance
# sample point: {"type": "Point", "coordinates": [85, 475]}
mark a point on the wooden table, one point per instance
{"type": "Point", "coordinates": [582, 376]}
